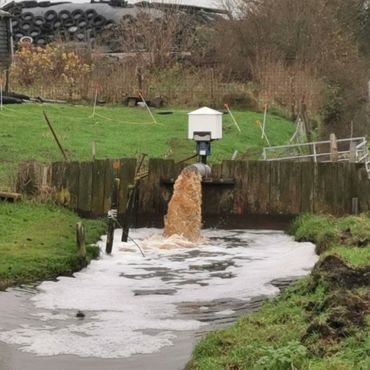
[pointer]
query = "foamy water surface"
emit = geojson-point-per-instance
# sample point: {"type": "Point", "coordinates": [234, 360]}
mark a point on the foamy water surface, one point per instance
{"type": "Point", "coordinates": [138, 305]}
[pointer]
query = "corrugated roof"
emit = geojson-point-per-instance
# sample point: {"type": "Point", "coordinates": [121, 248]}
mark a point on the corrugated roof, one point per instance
{"type": "Point", "coordinates": [205, 111]}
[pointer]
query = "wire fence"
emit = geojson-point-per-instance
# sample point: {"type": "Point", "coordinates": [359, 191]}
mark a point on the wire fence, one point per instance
{"type": "Point", "coordinates": [180, 87]}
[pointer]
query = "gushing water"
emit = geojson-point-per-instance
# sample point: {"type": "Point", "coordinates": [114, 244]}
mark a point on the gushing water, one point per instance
{"type": "Point", "coordinates": [184, 216]}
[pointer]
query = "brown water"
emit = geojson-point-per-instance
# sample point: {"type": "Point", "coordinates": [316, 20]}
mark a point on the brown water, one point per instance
{"type": "Point", "coordinates": [184, 216]}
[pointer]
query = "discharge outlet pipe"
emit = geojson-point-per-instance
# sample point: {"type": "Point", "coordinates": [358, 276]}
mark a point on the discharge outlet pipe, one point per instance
{"type": "Point", "coordinates": [203, 169]}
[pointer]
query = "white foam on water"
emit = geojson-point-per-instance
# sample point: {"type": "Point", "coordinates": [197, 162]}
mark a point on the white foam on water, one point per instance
{"type": "Point", "coordinates": [131, 302]}
{"type": "Point", "coordinates": [225, 313]}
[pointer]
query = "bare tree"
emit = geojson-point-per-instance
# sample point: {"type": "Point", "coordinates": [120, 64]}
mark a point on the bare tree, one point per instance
{"type": "Point", "coordinates": [323, 39]}
{"type": "Point", "coordinates": [157, 35]}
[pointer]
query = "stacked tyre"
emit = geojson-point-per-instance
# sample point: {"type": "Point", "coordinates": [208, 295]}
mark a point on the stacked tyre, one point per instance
{"type": "Point", "coordinates": [66, 25]}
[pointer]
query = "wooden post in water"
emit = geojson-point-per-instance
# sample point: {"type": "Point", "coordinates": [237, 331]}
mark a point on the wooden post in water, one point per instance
{"type": "Point", "coordinates": [131, 200]}
{"type": "Point", "coordinates": [80, 239]}
{"type": "Point", "coordinates": [333, 148]}
{"type": "Point", "coordinates": [132, 195]}
{"type": "Point", "coordinates": [112, 215]}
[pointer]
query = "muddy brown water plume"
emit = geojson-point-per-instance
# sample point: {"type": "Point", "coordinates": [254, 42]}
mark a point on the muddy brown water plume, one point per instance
{"type": "Point", "coordinates": [184, 215]}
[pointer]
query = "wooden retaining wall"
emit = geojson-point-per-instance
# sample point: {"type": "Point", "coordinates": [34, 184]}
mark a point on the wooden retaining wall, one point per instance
{"type": "Point", "coordinates": [236, 191]}
{"type": "Point", "coordinates": [85, 187]}
{"type": "Point", "coordinates": [243, 190]}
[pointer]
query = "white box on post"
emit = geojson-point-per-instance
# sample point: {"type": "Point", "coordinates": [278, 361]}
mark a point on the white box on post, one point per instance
{"type": "Point", "coordinates": [205, 121]}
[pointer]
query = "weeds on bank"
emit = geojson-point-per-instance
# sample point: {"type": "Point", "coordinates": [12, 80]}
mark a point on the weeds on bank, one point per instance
{"type": "Point", "coordinates": [321, 322]}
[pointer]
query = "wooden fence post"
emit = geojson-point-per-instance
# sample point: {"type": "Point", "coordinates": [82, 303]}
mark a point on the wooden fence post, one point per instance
{"type": "Point", "coordinates": [352, 152]}
{"type": "Point", "coordinates": [333, 148]}
{"type": "Point", "coordinates": [80, 239]}
{"type": "Point", "coordinates": [112, 216]}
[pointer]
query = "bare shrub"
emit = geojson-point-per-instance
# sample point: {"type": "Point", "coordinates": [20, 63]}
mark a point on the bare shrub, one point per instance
{"type": "Point", "coordinates": [52, 65]}
{"type": "Point", "coordinates": [34, 179]}
{"type": "Point", "coordinates": [311, 48]}
{"type": "Point", "coordinates": [157, 35]}
{"type": "Point", "coordinates": [285, 85]}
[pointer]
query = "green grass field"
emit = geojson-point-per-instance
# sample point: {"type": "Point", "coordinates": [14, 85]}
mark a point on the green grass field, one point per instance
{"type": "Point", "coordinates": [38, 242]}
{"type": "Point", "coordinates": [121, 132]}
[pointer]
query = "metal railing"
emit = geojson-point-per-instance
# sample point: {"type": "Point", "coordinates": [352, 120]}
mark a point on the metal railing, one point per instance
{"type": "Point", "coordinates": [350, 150]}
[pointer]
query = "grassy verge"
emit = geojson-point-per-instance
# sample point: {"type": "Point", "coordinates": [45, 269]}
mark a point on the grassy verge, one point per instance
{"type": "Point", "coordinates": [120, 132]}
{"type": "Point", "coordinates": [37, 241]}
{"type": "Point", "coordinates": [321, 322]}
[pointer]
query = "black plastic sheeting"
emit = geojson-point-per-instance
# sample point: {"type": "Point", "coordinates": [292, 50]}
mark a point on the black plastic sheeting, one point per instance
{"type": "Point", "coordinates": [67, 21]}
{"type": "Point", "coordinates": [46, 22]}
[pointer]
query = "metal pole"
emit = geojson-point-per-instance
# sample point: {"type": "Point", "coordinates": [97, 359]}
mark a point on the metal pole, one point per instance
{"type": "Point", "coordinates": [264, 123]}
{"type": "Point", "coordinates": [314, 153]}
{"type": "Point", "coordinates": [95, 101]}
{"type": "Point", "coordinates": [232, 117]}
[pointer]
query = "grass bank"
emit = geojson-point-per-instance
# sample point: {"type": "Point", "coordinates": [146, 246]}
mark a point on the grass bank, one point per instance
{"type": "Point", "coordinates": [120, 132]}
{"type": "Point", "coordinates": [37, 241]}
{"type": "Point", "coordinates": [320, 322]}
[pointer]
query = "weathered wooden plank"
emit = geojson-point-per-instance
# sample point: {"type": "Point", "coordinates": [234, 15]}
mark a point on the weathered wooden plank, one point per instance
{"type": "Point", "coordinates": [342, 190]}
{"type": "Point", "coordinates": [237, 195]}
{"type": "Point", "coordinates": [13, 197]}
{"type": "Point", "coordinates": [111, 171]}
{"type": "Point", "coordinates": [363, 188]}
{"type": "Point", "coordinates": [352, 185]}
{"type": "Point", "coordinates": [229, 168]}
{"type": "Point", "coordinates": [217, 200]}
{"type": "Point", "coordinates": [176, 170]}
{"type": "Point", "coordinates": [275, 188]}
{"type": "Point", "coordinates": [335, 189]}
{"type": "Point", "coordinates": [85, 188]}
{"type": "Point", "coordinates": [241, 205]}
{"type": "Point", "coordinates": [126, 174]}
{"type": "Point", "coordinates": [59, 182]}
{"type": "Point", "coordinates": [308, 172]}
{"type": "Point", "coordinates": [235, 200]}
{"type": "Point", "coordinates": [319, 189]}
{"type": "Point", "coordinates": [325, 182]}
{"type": "Point", "coordinates": [164, 169]}
{"type": "Point", "coordinates": [28, 179]}
{"type": "Point", "coordinates": [98, 177]}
{"type": "Point", "coordinates": [285, 188]}
{"type": "Point", "coordinates": [72, 175]}
{"type": "Point", "coordinates": [290, 185]}
{"type": "Point", "coordinates": [216, 171]}
{"type": "Point", "coordinates": [259, 187]}
{"type": "Point", "coordinates": [155, 192]}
